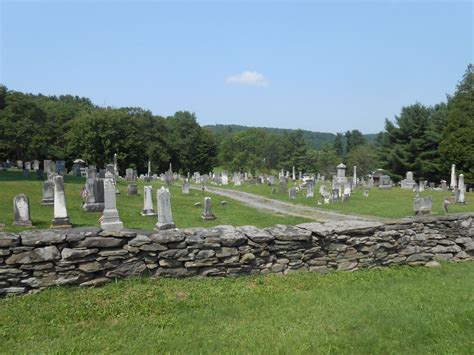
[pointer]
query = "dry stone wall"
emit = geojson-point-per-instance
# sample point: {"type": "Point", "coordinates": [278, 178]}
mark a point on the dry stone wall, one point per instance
{"type": "Point", "coordinates": [36, 259]}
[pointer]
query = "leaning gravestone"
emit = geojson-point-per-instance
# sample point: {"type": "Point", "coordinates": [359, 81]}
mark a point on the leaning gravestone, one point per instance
{"type": "Point", "coordinates": [21, 208]}
{"type": "Point", "coordinates": [422, 205]}
{"type": "Point", "coordinates": [165, 217]}
{"type": "Point", "coordinates": [48, 193]}
{"type": "Point", "coordinates": [61, 219]}
{"type": "Point", "coordinates": [207, 214]}
{"type": "Point", "coordinates": [110, 218]}
{"type": "Point", "coordinates": [148, 202]}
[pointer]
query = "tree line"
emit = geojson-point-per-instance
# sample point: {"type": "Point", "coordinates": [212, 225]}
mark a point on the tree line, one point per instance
{"type": "Point", "coordinates": [70, 127]}
{"type": "Point", "coordinates": [423, 139]}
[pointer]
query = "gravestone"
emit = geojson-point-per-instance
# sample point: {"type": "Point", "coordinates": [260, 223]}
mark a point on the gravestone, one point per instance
{"type": "Point", "coordinates": [322, 189]}
{"type": "Point", "coordinates": [21, 209]}
{"type": "Point", "coordinates": [93, 195]}
{"type": "Point", "coordinates": [283, 185]}
{"type": "Point", "coordinates": [185, 188]}
{"type": "Point", "coordinates": [149, 169]}
{"type": "Point", "coordinates": [129, 174]}
{"type": "Point", "coordinates": [347, 193]}
{"type": "Point", "coordinates": [446, 203]}
{"type": "Point", "coordinates": [91, 172]}
{"type": "Point", "coordinates": [61, 219]}
{"type": "Point", "coordinates": [335, 195]}
{"type": "Point", "coordinates": [453, 184]}
{"type": "Point", "coordinates": [421, 186]}
{"type": "Point", "coordinates": [132, 189]}
{"type": "Point", "coordinates": [354, 178]}
{"type": "Point", "coordinates": [408, 183]}
{"type": "Point", "coordinates": [110, 219]}
{"type": "Point", "coordinates": [36, 165]}
{"type": "Point", "coordinates": [27, 165]}
{"type": "Point", "coordinates": [460, 198]}
{"type": "Point", "coordinates": [165, 217]}
{"type": "Point", "coordinates": [48, 193]}
{"type": "Point", "coordinates": [444, 185]}
{"type": "Point", "coordinates": [207, 214]}
{"type": "Point", "coordinates": [366, 192]}
{"type": "Point", "coordinates": [115, 167]}
{"type": "Point", "coordinates": [19, 164]}
{"type": "Point", "coordinates": [102, 173]}
{"type": "Point", "coordinates": [309, 189]}
{"type": "Point", "coordinates": [422, 205]}
{"type": "Point", "coordinates": [225, 179]}
{"type": "Point", "coordinates": [60, 167]}
{"type": "Point", "coordinates": [300, 175]}
{"type": "Point", "coordinates": [271, 180]}
{"type": "Point", "coordinates": [258, 181]}
{"type": "Point", "coordinates": [237, 179]}
{"type": "Point", "coordinates": [292, 193]}
{"type": "Point", "coordinates": [341, 174]}
{"type": "Point", "coordinates": [293, 175]}
{"type": "Point", "coordinates": [385, 183]}
{"type": "Point", "coordinates": [148, 202]}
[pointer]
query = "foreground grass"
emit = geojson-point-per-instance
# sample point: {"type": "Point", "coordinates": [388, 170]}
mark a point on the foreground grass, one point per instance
{"type": "Point", "coordinates": [400, 310]}
{"type": "Point", "coordinates": [184, 213]}
{"type": "Point", "coordinates": [394, 203]}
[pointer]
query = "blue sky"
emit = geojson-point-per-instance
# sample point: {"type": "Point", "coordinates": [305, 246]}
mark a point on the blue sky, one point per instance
{"type": "Point", "coordinates": [319, 65]}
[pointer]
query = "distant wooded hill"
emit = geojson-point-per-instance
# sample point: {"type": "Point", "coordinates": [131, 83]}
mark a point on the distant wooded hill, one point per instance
{"type": "Point", "coordinates": [315, 139]}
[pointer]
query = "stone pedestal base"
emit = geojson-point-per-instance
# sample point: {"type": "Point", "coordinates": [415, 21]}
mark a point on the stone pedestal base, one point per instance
{"type": "Point", "coordinates": [47, 202]}
{"type": "Point", "coordinates": [23, 223]}
{"type": "Point", "coordinates": [148, 213]}
{"type": "Point", "coordinates": [208, 217]}
{"type": "Point", "coordinates": [93, 207]}
{"type": "Point", "coordinates": [163, 226]}
{"type": "Point", "coordinates": [61, 223]}
{"type": "Point", "coordinates": [111, 221]}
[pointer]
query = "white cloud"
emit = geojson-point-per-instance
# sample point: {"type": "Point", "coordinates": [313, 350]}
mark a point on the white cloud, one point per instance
{"type": "Point", "coordinates": [251, 78]}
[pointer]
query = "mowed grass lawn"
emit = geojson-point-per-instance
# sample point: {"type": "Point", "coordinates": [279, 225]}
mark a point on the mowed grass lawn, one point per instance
{"type": "Point", "coordinates": [394, 203]}
{"type": "Point", "coordinates": [184, 213]}
{"type": "Point", "coordinates": [403, 310]}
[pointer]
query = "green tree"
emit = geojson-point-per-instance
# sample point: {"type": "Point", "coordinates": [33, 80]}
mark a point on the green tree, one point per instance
{"type": "Point", "coordinates": [364, 157]}
{"type": "Point", "coordinates": [354, 138]}
{"type": "Point", "coordinates": [457, 144]}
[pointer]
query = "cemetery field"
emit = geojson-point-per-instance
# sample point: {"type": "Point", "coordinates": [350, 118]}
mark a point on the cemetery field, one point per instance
{"type": "Point", "coordinates": [394, 203]}
{"type": "Point", "coordinates": [403, 310]}
{"type": "Point", "coordinates": [184, 213]}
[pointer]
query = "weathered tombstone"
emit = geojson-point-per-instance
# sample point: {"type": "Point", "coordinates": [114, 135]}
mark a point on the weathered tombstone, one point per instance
{"type": "Point", "coordinates": [460, 198]}
{"type": "Point", "coordinates": [237, 179]}
{"type": "Point", "coordinates": [408, 183]}
{"type": "Point", "coordinates": [91, 172]}
{"type": "Point", "coordinates": [421, 186]}
{"type": "Point", "coordinates": [148, 202]}
{"type": "Point", "coordinates": [335, 195]}
{"type": "Point", "coordinates": [341, 174]}
{"type": "Point", "coordinates": [19, 164]}
{"type": "Point", "coordinates": [225, 179]}
{"type": "Point", "coordinates": [422, 205]}
{"type": "Point", "coordinates": [355, 176]}
{"type": "Point", "coordinates": [271, 180]}
{"type": "Point", "coordinates": [21, 209]}
{"type": "Point", "coordinates": [48, 193]}
{"type": "Point", "coordinates": [61, 219]}
{"type": "Point", "coordinates": [322, 189]}
{"type": "Point", "coordinates": [36, 165]}
{"type": "Point", "coordinates": [207, 214]}
{"type": "Point", "coordinates": [132, 189]}
{"type": "Point", "coordinates": [185, 188]}
{"type": "Point", "coordinates": [300, 175]}
{"type": "Point", "coordinates": [110, 218]}
{"type": "Point", "coordinates": [385, 182]}
{"type": "Point", "coordinates": [347, 194]}
{"type": "Point", "coordinates": [27, 165]}
{"type": "Point", "coordinates": [366, 192]}
{"type": "Point", "coordinates": [309, 189]}
{"type": "Point", "coordinates": [47, 166]}
{"type": "Point", "coordinates": [60, 167]}
{"type": "Point", "coordinates": [432, 185]}
{"type": "Point", "coordinates": [293, 175]}
{"type": "Point", "coordinates": [93, 195]}
{"type": "Point", "coordinates": [292, 193]}
{"type": "Point", "coordinates": [444, 185]}
{"type": "Point", "coordinates": [129, 174]}
{"type": "Point", "coordinates": [283, 185]}
{"type": "Point", "coordinates": [115, 167]}
{"type": "Point", "coordinates": [165, 217]}
{"type": "Point", "coordinates": [453, 184]}
{"type": "Point", "coordinates": [149, 169]}
{"type": "Point", "coordinates": [258, 181]}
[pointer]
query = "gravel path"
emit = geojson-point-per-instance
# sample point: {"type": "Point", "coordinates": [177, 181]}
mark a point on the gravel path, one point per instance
{"type": "Point", "coordinates": [275, 206]}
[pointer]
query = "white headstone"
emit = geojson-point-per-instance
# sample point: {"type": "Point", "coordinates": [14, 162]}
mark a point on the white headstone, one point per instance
{"type": "Point", "coordinates": [110, 218]}
{"type": "Point", "coordinates": [61, 219]}
{"type": "Point", "coordinates": [148, 202]}
{"type": "Point", "coordinates": [453, 183]}
{"type": "Point", "coordinates": [207, 214]}
{"type": "Point", "coordinates": [462, 190]}
{"type": "Point", "coordinates": [165, 217]}
{"type": "Point", "coordinates": [21, 208]}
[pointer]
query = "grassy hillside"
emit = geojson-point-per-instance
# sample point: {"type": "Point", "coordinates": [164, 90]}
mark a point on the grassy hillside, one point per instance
{"type": "Point", "coordinates": [315, 139]}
